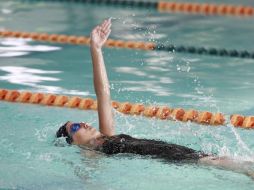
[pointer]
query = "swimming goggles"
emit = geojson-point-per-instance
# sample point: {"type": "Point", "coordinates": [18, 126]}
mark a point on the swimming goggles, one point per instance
{"type": "Point", "coordinates": [74, 128]}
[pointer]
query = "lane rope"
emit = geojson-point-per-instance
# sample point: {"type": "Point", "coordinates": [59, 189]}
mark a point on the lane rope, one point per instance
{"type": "Point", "coordinates": [206, 8]}
{"type": "Point", "coordinates": [83, 40]}
{"type": "Point", "coordinates": [175, 7]}
{"type": "Point", "coordinates": [159, 112]}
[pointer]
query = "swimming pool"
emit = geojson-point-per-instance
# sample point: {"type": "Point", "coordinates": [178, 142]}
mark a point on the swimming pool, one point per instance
{"type": "Point", "coordinates": [30, 160]}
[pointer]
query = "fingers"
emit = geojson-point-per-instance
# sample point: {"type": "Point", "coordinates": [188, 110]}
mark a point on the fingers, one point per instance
{"type": "Point", "coordinates": [107, 27]}
{"type": "Point", "coordinates": [96, 29]}
{"type": "Point", "coordinates": [106, 24]}
{"type": "Point", "coordinates": [107, 34]}
{"type": "Point", "coordinates": [107, 30]}
{"type": "Point", "coordinates": [104, 27]}
{"type": "Point", "coordinates": [101, 32]}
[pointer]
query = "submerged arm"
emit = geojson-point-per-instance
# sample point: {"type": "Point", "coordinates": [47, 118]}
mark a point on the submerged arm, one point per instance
{"type": "Point", "coordinates": [99, 36]}
{"type": "Point", "coordinates": [227, 163]}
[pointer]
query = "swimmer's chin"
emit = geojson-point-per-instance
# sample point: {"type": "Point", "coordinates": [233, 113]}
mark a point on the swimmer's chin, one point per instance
{"type": "Point", "coordinates": [92, 144]}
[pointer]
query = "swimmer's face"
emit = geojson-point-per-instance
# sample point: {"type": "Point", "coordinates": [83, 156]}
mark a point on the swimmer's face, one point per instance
{"type": "Point", "coordinates": [85, 135]}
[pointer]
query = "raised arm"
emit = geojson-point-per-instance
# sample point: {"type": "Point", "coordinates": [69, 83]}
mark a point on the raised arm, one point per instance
{"type": "Point", "coordinates": [99, 36]}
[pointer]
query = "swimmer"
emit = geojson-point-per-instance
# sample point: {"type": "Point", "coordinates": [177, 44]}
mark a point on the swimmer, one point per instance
{"type": "Point", "coordinates": [105, 140]}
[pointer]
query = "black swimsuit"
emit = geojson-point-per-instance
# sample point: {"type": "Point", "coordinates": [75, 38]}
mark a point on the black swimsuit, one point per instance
{"type": "Point", "coordinates": [158, 149]}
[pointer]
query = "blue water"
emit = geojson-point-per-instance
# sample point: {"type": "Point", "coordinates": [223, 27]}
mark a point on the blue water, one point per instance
{"type": "Point", "coordinates": [30, 160]}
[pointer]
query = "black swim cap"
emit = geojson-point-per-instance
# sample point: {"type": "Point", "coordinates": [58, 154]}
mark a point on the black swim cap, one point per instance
{"type": "Point", "coordinates": [62, 132]}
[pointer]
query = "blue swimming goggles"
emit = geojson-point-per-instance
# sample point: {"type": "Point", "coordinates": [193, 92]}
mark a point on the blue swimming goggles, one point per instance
{"type": "Point", "coordinates": [74, 128]}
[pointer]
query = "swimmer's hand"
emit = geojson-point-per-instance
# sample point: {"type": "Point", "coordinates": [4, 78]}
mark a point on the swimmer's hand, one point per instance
{"type": "Point", "coordinates": [100, 34]}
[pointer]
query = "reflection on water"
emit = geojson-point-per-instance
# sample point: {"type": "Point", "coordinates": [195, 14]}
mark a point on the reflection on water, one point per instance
{"type": "Point", "coordinates": [130, 70]}
{"type": "Point", "coordinates": [6, 11]}
{"type": "Point", "coordinates": [26, 76]}
{"type": "Point", "coordinates": [148, 86]}
{"type": "Point", "coordinates": [12, 54]}
{"type": "Point", "coordinates": [154, 86]}
{"type": "Point", "coordinates": [33, 77]}
{"type": "Point", "coordinates": [12, 47]}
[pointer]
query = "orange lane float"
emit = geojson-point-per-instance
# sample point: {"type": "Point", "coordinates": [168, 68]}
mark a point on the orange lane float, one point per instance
{"type": "Point", "coordinates": [160, 112]}
{"type": "Point", "coordinates": [190, 115]}
{"type": "Point", "coordinates": [146, 46]}
{"type": "Point", "coordinates": [205, 8]}
{"type": "Point", "coordinates": [163, 112]}
{"type": "Point", "coordinates": [61, 100]}
{"type": "Point", "coordinates": [248, 122]}
{"type": "Point", "coordinates": [177, 7]}
{"type": "Point", "coordinates": [76, 40]}
{"type": "Point", "coordinates": [137, 109]}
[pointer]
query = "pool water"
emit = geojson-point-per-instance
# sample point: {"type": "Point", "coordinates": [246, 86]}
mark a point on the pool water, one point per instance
{"type": "Point", "coordinates": [29, 157]}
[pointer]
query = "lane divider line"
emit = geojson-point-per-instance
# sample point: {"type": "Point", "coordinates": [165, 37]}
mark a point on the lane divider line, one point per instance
{"type": "Point", "coordinates": [207, 9]}
{"type": "Point", "coordinates": [149, 46]}
{"type": "Point", "coordinates": [159, 112]}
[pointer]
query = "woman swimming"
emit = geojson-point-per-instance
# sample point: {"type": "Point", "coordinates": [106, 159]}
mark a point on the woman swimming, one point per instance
{"type": "Point", "coordinates": [106, 141]}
